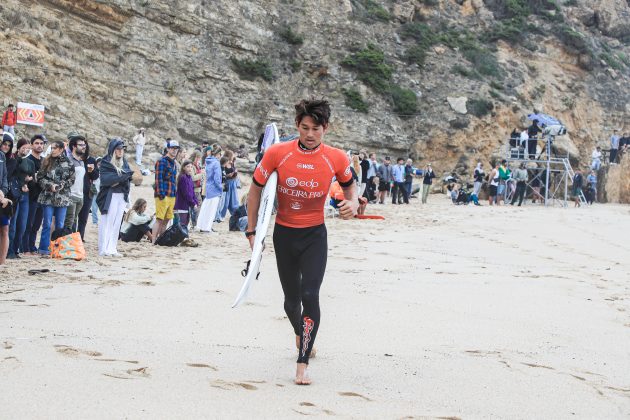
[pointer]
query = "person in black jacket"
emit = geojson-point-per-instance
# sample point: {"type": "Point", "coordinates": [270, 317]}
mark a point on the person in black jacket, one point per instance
{"type": "Point", "coordinates": [91, 175]}
{"type": "Point", "coordinates": [578, 182]}
{"type": "Point", "coordinates": [24, 173]}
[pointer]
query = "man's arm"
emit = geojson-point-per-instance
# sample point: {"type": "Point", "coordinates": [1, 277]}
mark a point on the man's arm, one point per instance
{"type": "Point", "coordinates": [253, 204]}
{"type": "Point", "coordinates": [348, 207]}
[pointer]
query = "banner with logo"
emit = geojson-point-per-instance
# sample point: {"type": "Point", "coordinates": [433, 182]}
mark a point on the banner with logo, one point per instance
{"type": "Point", "coordinates": [30, 114]}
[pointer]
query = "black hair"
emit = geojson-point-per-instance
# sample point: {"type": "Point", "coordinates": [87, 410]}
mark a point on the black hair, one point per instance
{"type": "Point", "coordinates": [10, 106]}
{"type": "Point", "coordinates": [399, 159]}
{"type": "Point", "coordinates": [38, 137]}
{"type": "Point", "coordinates": [317, 109]}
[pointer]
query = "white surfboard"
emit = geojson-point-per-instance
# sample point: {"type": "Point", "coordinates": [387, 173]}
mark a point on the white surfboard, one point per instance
{"type": "Point", "coordinates": [267, 199]}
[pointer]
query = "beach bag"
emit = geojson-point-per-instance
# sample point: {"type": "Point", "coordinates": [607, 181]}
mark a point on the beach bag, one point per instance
{"type": "Point", "coordinates": [173, 236]}
{"type": "Point", "coordinates": [68, 247]}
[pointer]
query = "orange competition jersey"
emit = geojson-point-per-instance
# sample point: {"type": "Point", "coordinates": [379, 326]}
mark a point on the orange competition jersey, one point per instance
{"type": "Point", "coordinates": [304, 178]}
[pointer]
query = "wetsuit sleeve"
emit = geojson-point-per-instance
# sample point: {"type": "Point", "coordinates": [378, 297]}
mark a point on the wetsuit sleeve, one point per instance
{"type": "Point", "coordinates": [267, 165]}
{"type": "Point", "coordinates": [342, 169]}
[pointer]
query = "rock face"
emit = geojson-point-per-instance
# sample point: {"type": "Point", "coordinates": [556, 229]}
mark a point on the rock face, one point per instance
{"type": "Point", "coordinates": [107, 67]}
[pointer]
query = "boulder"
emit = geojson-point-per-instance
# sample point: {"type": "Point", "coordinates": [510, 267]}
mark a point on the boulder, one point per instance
{"type": "Point", "coordinates": [404, 12]}
{"type": "Point", "coordinates": [613, 17]}
{"type": "Point", "coordinates": [458, 104]}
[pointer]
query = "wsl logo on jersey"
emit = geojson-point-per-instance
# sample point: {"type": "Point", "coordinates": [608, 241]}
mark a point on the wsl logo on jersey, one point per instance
{"type": "Point", "coordinates": [293, 182]}
{"type": "Point", "coordinates": [308, 166]}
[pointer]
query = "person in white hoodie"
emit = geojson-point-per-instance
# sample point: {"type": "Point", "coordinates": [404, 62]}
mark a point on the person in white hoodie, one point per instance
{"type": "Point", "coordinates": [139, 140]}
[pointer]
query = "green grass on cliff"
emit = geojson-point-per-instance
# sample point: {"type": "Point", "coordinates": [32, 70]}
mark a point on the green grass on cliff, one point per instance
{"type": "Point", "coordinates": [251, 69]}
{"type": "Point", "coordinates": [355, 101]}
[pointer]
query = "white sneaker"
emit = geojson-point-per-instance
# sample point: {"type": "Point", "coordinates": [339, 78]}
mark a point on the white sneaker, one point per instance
{"type": "Point", "coordinates": [116, 255]}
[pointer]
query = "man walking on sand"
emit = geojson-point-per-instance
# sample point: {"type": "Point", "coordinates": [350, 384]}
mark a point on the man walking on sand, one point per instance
{"type": "Point", "coordinates": [305, 170]}
{"type": "Point", "coordinates": [165, 189]}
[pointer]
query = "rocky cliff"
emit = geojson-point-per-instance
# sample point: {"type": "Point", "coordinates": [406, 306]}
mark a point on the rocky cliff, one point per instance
{"type": "Point", "coordinates": [439, 80]}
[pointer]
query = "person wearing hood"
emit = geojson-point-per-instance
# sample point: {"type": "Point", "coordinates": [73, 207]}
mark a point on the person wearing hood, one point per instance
{"type": "Point", "coordinates": [214, 188]}
{"type": "Point", "coordinates": [23, 174]}
{"type": "Point", "coordinates": [113, 196]}
{"type": "Point", "coordinates": [5, 208]}
{"type": "Point", "coordinates": [479, 176]}
{"type": "Point", "coordinates": [55, 177]}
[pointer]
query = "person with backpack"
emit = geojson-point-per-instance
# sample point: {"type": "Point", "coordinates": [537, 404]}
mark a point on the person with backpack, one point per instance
{"type": "Point", "coordinates": [55, 177]}
{"type": "Point", "coordinates": [112, 199]}
{"type": "Point", "coordinates": [8, 120]}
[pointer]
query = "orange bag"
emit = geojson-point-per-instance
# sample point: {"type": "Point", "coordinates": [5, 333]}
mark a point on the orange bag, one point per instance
{"type": "Point", "coordinates": [69, 247]}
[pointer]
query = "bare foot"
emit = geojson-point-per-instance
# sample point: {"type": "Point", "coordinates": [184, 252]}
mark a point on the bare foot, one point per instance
{"type": "Point", "coordinates": [301, 375]}
{"type": "Point", "coordinates": [297, 346]}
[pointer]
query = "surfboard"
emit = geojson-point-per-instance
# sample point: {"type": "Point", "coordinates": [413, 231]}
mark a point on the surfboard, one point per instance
{"type": "Point", "coordinates": [267, 198]}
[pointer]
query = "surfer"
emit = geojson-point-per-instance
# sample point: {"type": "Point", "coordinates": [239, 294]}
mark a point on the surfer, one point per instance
{"type": "Point", "coordinates": [305, 169]}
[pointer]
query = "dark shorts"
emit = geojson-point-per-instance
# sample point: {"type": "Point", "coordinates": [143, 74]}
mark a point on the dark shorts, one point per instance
{"type": "Point", "coordinates": [5, 220]}
{"type": "Point", "coordinates": [383, 186]}
{"type": "Point", "coordinates": [493, 190]}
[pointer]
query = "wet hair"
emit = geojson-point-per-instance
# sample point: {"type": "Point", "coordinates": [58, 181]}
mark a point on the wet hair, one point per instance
{"type": "Point", "coordinates": [317, 109]}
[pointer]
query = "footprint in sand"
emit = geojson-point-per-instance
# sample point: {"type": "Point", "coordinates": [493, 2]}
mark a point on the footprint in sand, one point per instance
{"type": "Point", "coordinates": [353, 394]}
{"type": "Point", "coordinates": [146, 283]}
{"type": "Point", "coordinates": [7, 345]}
{"type": "Point", "coordinates": [72, 352]}
{"type": "Point", "coordinates": [202, 365]}
{"type": "Point", "coordinates": [534, 365]}
{"type": "Point", "coordinates": [228, 386]}
{"type": "Point", "coordinates": [142, 372]}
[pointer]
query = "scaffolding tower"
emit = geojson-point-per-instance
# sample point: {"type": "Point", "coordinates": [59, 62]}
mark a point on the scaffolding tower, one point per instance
{"type": "Point", "coordinates": [552, 174]}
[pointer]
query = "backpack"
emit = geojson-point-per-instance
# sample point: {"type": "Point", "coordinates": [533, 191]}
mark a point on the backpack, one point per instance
{"type": "Point", "coordinates": [173, 236]}
{"type": "Point", "coordinates": [68, 247]}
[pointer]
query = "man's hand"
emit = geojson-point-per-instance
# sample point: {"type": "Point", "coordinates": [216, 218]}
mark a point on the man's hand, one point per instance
{"type": "Point", "coordinates": [5, 202]}
{"type": "Point", "coordinates": [251, 240]}
{"type": "Point", "coordinates": [347, 209]}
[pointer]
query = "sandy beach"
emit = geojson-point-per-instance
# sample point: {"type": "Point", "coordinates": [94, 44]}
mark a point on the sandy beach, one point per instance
{"type": "Point", "coordinates": [439, 311]}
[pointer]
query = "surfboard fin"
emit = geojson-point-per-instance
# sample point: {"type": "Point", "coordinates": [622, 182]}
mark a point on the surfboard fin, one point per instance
{"type": "Point", "coordinates": [246, 270]}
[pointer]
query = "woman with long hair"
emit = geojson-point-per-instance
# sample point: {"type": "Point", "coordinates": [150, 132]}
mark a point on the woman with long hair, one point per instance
{"type": "Point", "coordinates": [55, 177]}
{"type": "Point", "coordinates": [185, 199]}
{"type": "Point", "coordinates": [213, 188]}
{"type": "Point", "coordinates": [198, 178]}
{"type": "Point", "coordinates": [136, 223]}
{"type": "Point", "coordinates": [112, 199]}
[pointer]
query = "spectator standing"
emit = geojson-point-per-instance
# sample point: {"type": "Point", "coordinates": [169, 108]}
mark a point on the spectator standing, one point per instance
{"type": "Point", "coordinates": [185, 199]}
{"type": "Point", "coordinates": [96, 187]}
{"type": "Point", "coordinates": [8, 120]}
{"type": "Point", "coordinates": [614, 147]}
{"type": "Point", "coordinates": [230, 201]}
{"type": "Point", "coordinates": [139, 140]}
{"type": "Point", "coordinates": [5, 209]}
{"type": "Point", "coordinates": [398, 177]}
{"type": "Point", "coordinates": [365, 168]}
{"type": "Point", "coordinates": [494, 184]}
{"type": "Point", "coordinates": [478, 177]}
{"type": "Point", "coordinates": [24, 173]}
{"type": "Point", "coordinates": [210, 204]}
{"type": "Point", "coordinates": [198, 180]}
{"type": "Point", "coordinates": [165, 188]}
{"type": "Point", "coordinates": [76, 155]}
{"type": "Point", "coordinates": [596, 158]}
{"type": "Point", "coordinates": [578, 181]}
{"type": "Point", "coordinates": [520, 175]}
{"type": "Point", "coordinates": [409, 177]}
{"type": "Point", "coordinates": [55, 177]}
{"type": "Point", "coordinates": [35, 215]}
{"type": "Point", "coordinates": [532, 142]}
{"type": "Point", "coordinates": [591, 181]}
{"type": "Point", "coordinates": [384, 174]}
{"type": "Point", "coordinates": [113, 197]}
{"type": "Point", "coordinates": [427, 181]}
{"type": "Point", "coordinates": [90, 190]}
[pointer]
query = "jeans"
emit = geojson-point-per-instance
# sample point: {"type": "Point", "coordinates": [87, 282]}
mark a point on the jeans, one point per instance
{"type": "Point", "coordinates": [84, 214]}
{"type": "Point", "coordinates": [72, 214]}
{"type": "Point", "coordinates": [521, 187]}
{"type": "Point", "coordinates": [477, 187]}
{"type": "Point", "coordinates": [613, 155]}
{"type": "Point", "coordinates": [18, 225]}
{"type": "Point", "coordinates": [94, 211]}
{"type": "Point", "coordinates": [139, 150]}
{"type": "Point", "coordinates": [408, 187]}
{"type": "Point", "coordinates": [399, 186]}
{"type": "Point", "coordinates": [47, 213]}
{"type": "Point", "coordinates": [9, 128]}
{"type": "Point", "coordinates": [217, 216]}
{"type": "Point", "coordinates": [231, 199]}
{"type": "Point", "coordinates": [35, 213]}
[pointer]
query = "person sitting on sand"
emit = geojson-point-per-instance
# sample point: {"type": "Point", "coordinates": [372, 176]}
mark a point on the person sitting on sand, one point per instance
{"type": "Point", "coordinates": [136, 224]}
